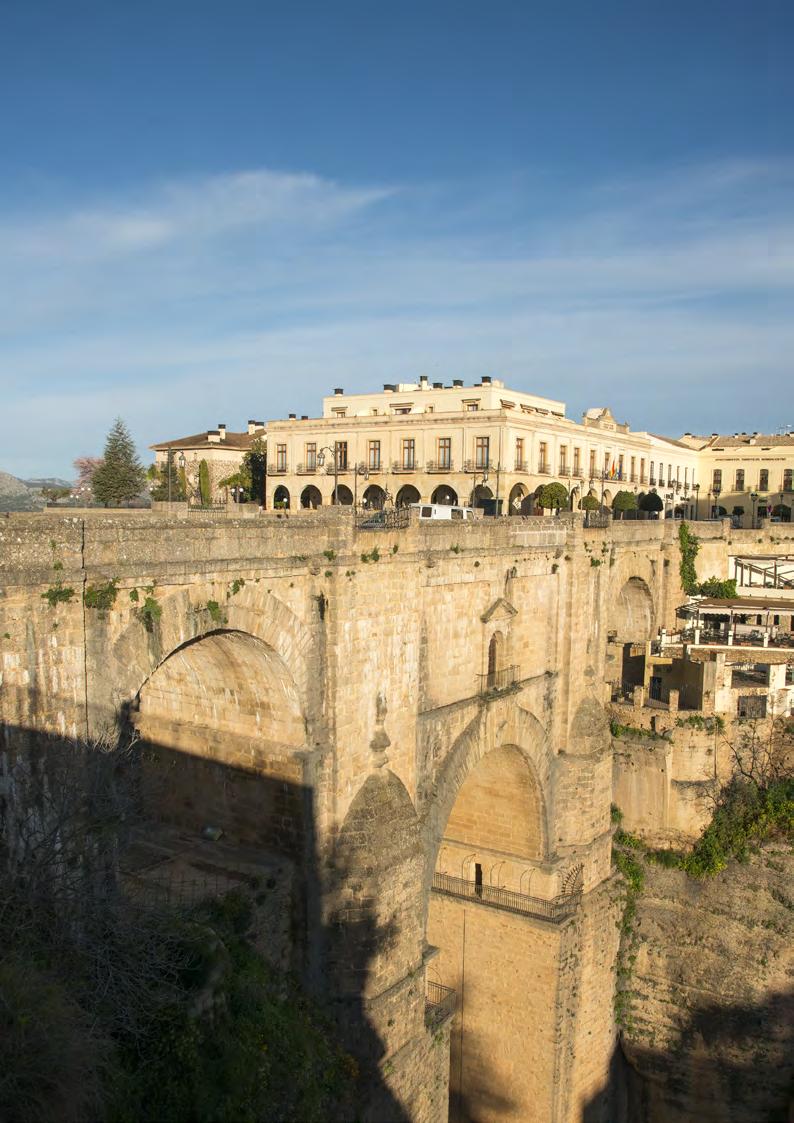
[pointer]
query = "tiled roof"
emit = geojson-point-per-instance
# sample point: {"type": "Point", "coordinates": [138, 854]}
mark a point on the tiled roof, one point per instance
{"type": "Point", "coordinates": [202, 440]}
{"type": "Point", "coordinates": [671, 441]}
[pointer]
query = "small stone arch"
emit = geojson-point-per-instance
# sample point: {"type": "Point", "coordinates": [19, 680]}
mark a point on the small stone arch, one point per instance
{"type": "Point", "coordinates": [479, 494]}
{"type": "Point", "coordinates": [311, 497]}
{"type": "Point", "coordinates": [445, 494]}
{"type": "Point", "coordinates": [407, 495]}
{"type": "Point", "coordinates": [632, 614]}
{"type": "Point", "coordinates": [606, 498]}
{"type": "Point", "coordinates": [343, 496]}
{"type": "Point", "coordinates": [281, 497]}
{"type": "Point", "coordinates": [374, 497]}
{"type": "Point", "coordinates": [520, 501]}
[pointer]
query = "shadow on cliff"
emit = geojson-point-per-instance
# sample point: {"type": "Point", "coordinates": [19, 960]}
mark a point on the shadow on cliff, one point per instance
{"type": "Point", "coordinates": [181, 803]}
{"type": "Point", "coordinates": [731, 1063]}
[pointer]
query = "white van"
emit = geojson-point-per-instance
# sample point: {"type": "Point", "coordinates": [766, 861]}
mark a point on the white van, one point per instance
{"type": "Point", "coordinates": [443, 511]}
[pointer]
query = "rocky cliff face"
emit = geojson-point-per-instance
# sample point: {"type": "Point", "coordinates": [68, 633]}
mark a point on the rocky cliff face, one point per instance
{"type": "Point", "coordinates": [16, 496]}
{"type": "Point", "coordinates": [713, 1000]}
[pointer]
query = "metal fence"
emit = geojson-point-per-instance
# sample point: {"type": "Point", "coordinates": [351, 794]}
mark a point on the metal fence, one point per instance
{"type": "Point", "coordinates": [440, 1004]}
{"type": "Point", "coordinates": [390, 518]}
{"type": "Point", "coordinates": [596, 520]}
{"type": "Point", "coordinates": [555, 910]}
{"type": "Point", "coordinates": [494, 682]}
{"type": "Point", "coordinates": [205, 508]}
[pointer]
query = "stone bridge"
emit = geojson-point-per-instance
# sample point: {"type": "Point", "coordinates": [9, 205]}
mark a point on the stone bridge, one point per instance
{"type": "Point", "coordinates": [413, 721]}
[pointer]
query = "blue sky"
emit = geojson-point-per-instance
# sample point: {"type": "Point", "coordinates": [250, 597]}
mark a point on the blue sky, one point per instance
{"type": "Point", "coordinates": [214, 211]}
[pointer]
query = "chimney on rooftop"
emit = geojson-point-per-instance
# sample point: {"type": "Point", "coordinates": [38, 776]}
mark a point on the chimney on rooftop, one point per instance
{"type": "Point", "coordinates": [486, 380]}
{"type": "Point", "coordinates": [338, 391]}
{"type": "Point", "coordinates": [422, 381]}
{"type": "Point", "coordinates": [388, 387]}
{"type": "Point", "coordinates": [222, 430]}
{"type": "Point", "coordinates": [292, 416]}
{"type": "Point", "coordinates": [457, 381]}
{"type": "Point", "coordinates": [304, 417]}
{"type": "Point", "coordinates": [438, 385]}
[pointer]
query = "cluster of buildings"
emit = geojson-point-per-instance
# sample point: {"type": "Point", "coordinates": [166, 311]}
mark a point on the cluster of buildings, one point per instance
{"type": "Point", "coordinates": [430, 442]}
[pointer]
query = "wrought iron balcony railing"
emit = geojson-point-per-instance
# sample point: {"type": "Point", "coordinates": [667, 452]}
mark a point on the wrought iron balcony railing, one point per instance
{"type": "Point", "coordinates": [521, 466]}
{"type": "Point", "coordinates": [391, 518]}
{"type": "Point", "coordinates": [403, 466]}
{"type": "Point", "coordinates": [440, 466]}
{"type": "Point", "coordinates": [307, 469]}
{"type": "Point", "coordinates": [544, 469]}
{"type": "Point", "coordinates": [277, 469]}
{"type": "Point", "coordinates": [440, 1004]}
{"type": "Point", "coordinates": [556, 909]}
{"type": "Point", "coordinates": [477, 466]}
{"type": "Point", "coordinates": [495, 682]}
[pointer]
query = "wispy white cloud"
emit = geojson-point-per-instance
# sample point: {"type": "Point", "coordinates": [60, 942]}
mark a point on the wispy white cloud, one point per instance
{"type": "Point", "coordinates": [254, 293]}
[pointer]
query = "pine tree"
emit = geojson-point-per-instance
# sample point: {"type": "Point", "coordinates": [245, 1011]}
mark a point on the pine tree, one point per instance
{"type": "Point", "coordinates": [121, 476]}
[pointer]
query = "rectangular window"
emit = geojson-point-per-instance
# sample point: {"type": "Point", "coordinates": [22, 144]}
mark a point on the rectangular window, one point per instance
{"type": "Point", "coordinates": [763, 480]}
{"type": "Point", "coordinates": [592, 463]}
{"type": "Point", "coordinates": [471, 407]}
{"type": "Point", "coordinates": [740, 479]}
{"type": "Point", "coordinates": [402, 409]}
{"type": "Point", "coordinates": [340, 448]}
{"type": "Point", "coordinates": [373, 455]}
{"type": "Point", "coordinates": [788, 476]}
{"type": "Point", "coordinates": [620, 467]}
{"type": "Point", "coordinates": [716, 479]}
{"type": "Point", "coordinates": [606, 463]}
{"type": "Point", "coordinates": [409, 453]}
{"type": "Point", "coordinates": [661, 474]}
{"type": "Point", "coordinates": [686, 479]}
{"type": "Point", "coordinates": [481, 447]}
{"type": "Point", "coordinates": [653, 474]}
{"type": "Point", "coordinates": [543, 464]}
{"type": "Point", "coordinates": [577, 462]}
{"type": "Point", "coordinates": [669, 475]}
{"type": "Point", "coordinates": [281, 458]}
{"type": "Point", "coordinates": [642, 470]}
{"type": "Point", "coordinates": [444, 452]}
{"type": "Point", "coordinates": [311, 456]}
{"type": "Point", "coordinates": [519, 453]}
{"type": "Point", "coordinates": [563, 459]}
{"type": "Point", "coordinates": [634, 469]}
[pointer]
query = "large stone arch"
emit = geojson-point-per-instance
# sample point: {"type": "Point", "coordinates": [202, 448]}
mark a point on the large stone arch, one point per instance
{"type": "Point", "coordinates": [223, 734]}
{"type": "Point", "coordinates": [184, 615]}
{"type": "Point", "coordinates": [501, 724]}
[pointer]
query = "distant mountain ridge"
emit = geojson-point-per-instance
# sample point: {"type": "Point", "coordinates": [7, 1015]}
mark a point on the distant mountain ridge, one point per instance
{"type": "Point", "coordinates": [15, 495]}
{"type": "Point", "coordinates": [47, 481]}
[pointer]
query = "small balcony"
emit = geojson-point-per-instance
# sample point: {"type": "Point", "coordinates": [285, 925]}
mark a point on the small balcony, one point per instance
{"type": "Point", "coordinates": [404, 467]}
{"type": "Point", "coordinates": [555, 910]}
{"type": "Point", "coordinates": [565, 471]}
{"type": "Point", "coordinates": [440, 1004]}
{"type": "Point", "coordinates": [277, 470]}
{"type": "Point", "coordinates": [307, 469]}
{"type": "Point", "coordinates": [476, 466]}
{"type": "Point", "coordinates": [544, 469]}
{"type": "Point", "coordinates": [521, 466]}
{"type": "Point", "coordinates": [498, 682]}
{"type": "Point", "coordinates": [440, 466]}
{"type": "Point", "coordinates": [652, 481]}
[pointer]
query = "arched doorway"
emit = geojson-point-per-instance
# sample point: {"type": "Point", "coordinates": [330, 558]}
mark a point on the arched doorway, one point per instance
{"type": "Point", "coordinates": [493, 850]}
{"type": "Point", "coordinates": [281, 497]}
{"type": "Point", "coordinates": [495, 658]}
{"type": "Point", "coordinates": [311, 497]}
{"type": "Point", "coordinates": [222, 730]}
{"type": "Point", "coordinates": [480, 493]}
{"type": "Point", "coordinates": [374, 498]}
{"type": "Point", "coordinates": [445, 494]}
{"type": "Point", "coordinates": [344, 496]}
{"type": "Point", "coordinates": [520, 501]}
{"type": "Point", "coordinates": [629, 628]}
{"type": "Point", "coordinates": [406, 496]}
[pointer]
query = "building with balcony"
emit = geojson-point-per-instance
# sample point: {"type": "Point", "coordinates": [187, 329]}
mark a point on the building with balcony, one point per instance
{"type": "Point", "coordinates": [753, 472]}
{"type": "Point", "coordinates": [427, 442]}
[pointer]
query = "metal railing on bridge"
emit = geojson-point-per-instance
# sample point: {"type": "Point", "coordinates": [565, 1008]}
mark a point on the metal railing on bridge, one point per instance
{"type": "Point", "coordinates": [557, 909]}
{"type": "Point", "coordinates": [494, 682]}
{"type": "Point", "coordinates": [390, 518]}
{"type": "Point", "coordinates": [440, 1004]}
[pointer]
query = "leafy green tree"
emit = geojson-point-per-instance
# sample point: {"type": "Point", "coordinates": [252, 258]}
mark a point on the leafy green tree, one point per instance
{"type": "Point", "coordinates": [738, 511]}
{"type": "Point", "coordinates": [121, 476]}
{"type": "Point", "coordinates": [254, 466]}
{"type": "Point", "coordinates": [652, 503]}
{"type": "Point", "coordinates": [720, 590]}
{"type": "Point", "coordinates": [238, 479]}
{"type": "Point", "coordinates": [161, 491]}
{"type": "Point", "coordinates": [553, 497]}
{"type": "Point", "coordinates": [624, 501]}
{"type": "Point", "coordinates": [590, 503]}
{"type": "Point", "coordinates": [204, 483]}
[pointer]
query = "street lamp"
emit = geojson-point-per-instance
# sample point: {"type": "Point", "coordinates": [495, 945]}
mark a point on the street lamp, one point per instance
{"type": "Point", "coordinates": [482, 483]}
{"type": "Point", "coordinates": [697, 501]}
{"type": "Point", "coordinates": [359, 470]}
{"type": "Point", "coordinates": [754, 500]}
{"type": "Point", "coordinates": [717, 491]}
{"type": "Point", "coordinates": [321, 461]}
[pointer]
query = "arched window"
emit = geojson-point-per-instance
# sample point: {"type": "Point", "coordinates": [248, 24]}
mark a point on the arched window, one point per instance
{"type": "Point", "coordinates": [495, 659]}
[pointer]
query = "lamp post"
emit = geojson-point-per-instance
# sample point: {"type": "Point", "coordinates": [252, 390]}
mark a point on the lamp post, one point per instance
{"type": "Point", "coordinates": [359, 470]}
{"type": "Point", "coordinates": [717, 491]}
{"type": "Point", "coordinates": [169, 465]}
{"type": "Point", "coordinates": [321, 461]}
{"type": "Point", "coordinates": [482, 483]}
{"type": "Point", "coordinates": [697, 501]}
{"type": "Point", "coordinates": [754, 501]}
